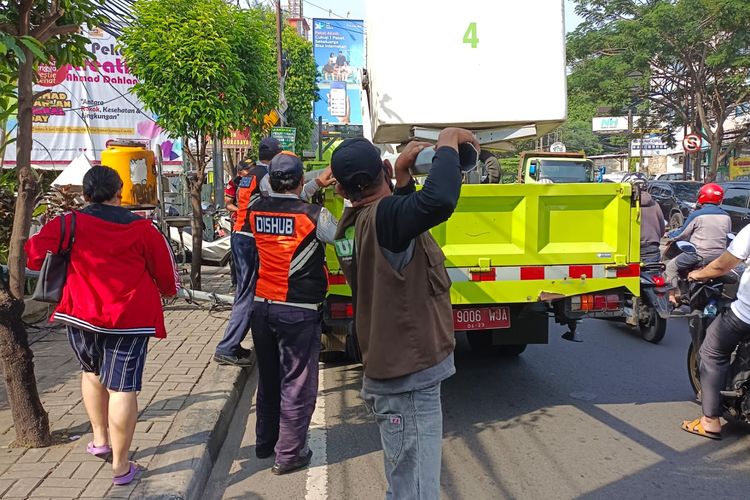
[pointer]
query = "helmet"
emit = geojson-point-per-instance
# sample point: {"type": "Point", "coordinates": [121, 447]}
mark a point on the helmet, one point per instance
{"type": "Point", "coordinates": [711, 193]}
{"type": "Point", "coordinates": [545, 180]}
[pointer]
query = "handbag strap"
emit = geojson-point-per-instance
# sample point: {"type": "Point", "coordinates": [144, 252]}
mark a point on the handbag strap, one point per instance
{"type": "Point", "coordinates": [72, 230]}
{"type": "Point", "coordinates": [62, 233]}
{"type": "Point", "coordinates": [72, 233]}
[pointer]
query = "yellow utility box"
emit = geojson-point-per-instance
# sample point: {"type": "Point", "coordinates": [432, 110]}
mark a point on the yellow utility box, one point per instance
{"type": "Point", "coordinates": [137, 168]}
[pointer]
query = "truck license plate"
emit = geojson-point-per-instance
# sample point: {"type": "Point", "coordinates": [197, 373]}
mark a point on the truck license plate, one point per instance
{"type": "Point", "coordinates": [481, 318]}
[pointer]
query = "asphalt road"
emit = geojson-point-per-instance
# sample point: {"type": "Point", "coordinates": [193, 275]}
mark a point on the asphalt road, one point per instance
{"type": "Point", "coordinates": [598, 419]}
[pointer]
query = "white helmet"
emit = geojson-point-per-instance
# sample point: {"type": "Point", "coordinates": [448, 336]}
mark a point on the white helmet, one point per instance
{"type": "Point", "coordinates": [545, 180]}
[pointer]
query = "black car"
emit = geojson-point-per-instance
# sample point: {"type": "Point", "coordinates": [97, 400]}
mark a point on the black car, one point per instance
{"type": "Point", "coordinates": [676, 199]}
{"type": "Point", "coordinates": [736, 196]}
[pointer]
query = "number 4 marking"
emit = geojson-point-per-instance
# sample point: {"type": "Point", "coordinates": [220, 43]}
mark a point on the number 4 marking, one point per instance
{"type": "Point", "coordinates": [470, 36]}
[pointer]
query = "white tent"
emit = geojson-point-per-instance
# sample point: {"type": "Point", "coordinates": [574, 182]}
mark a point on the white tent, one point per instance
{"type": "Point", "coordinates": [73, 174]}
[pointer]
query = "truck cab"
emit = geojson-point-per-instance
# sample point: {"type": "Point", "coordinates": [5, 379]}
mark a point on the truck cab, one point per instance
{"type": "Point", "coordinates": [555, 168]}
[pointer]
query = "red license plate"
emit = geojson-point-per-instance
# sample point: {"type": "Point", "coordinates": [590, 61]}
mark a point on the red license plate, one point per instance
{"type": "Point", "coordinates": [481, 318]}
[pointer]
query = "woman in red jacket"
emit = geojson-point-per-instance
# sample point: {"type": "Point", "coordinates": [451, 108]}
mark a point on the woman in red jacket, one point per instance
{"type": "Point", "coordinates": [120, 266]}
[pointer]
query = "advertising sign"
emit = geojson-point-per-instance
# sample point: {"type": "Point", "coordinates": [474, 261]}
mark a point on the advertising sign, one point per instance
{"type": "Point", "coordinates": [739, 168]}
{"type": "Point", "coordinates": [338, 47]}
{"type": "Point", "coordinates": [611, 124]}
{"type": "Point", "coordinates": [652, 145]}
{"type": "Point", "coordinates": [286, 137]}
{"type": "Point", "coordinates": [79, 109]}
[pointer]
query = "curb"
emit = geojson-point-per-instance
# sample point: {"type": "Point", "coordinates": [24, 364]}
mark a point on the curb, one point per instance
{"type": "Point", "coordinates": [182, 466]}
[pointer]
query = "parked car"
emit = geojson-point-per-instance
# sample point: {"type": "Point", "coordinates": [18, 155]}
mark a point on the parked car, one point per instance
{"type": "Point", "coordinates": [736, 196]}
{"type": "Point", "coordinates": [676, 199]}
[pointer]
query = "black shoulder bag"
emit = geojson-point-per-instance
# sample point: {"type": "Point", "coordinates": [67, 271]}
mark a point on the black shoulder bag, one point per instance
{"type": "Point", "coordinates": [52, 276]}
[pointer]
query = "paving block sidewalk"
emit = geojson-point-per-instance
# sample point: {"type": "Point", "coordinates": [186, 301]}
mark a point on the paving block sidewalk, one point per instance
{"type": "Point", "coordinates": [186, 404]}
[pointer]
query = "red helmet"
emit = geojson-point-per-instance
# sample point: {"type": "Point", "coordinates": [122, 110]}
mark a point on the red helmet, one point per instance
{"type": "Point", "coordinates": [711, 193]}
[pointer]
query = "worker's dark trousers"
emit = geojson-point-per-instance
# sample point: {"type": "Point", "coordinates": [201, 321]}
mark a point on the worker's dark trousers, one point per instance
{"type": "Point", "coordinates": [287, 345]}
{"type": "Point", "coordinates": [721, 339]}
{"type": "Point", "coordinates": [245, 257]}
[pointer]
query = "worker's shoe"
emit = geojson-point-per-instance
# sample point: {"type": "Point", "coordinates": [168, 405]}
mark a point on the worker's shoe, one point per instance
{"type": "Point", "coordinates": [233, 359]}
{"type": "Point", "coordinates": [298, 464]}
{"type": "Point", "coordinates": [244, 353]}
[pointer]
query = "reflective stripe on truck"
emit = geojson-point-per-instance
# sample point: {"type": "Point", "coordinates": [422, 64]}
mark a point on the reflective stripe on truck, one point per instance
{"type": "Point", "coordinates": [527, 273]}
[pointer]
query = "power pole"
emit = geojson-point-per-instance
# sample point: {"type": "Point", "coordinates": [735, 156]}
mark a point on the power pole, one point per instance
{"type": "Point", "coordinates": [279, 62]}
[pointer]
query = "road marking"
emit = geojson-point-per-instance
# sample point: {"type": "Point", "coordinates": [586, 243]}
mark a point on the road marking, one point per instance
{"type": "Point", "coordinates": [317, 475]}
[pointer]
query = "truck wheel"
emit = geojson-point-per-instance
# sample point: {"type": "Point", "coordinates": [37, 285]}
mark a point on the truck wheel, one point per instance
{"type": "Point", "coordinates": [676, 220]}
{"type": "Point", "coordinates": [353, 353]}
{"type": "Point", "coordinates": [481, 343]}
{"type": "Point", "coordinates": [653, 329]}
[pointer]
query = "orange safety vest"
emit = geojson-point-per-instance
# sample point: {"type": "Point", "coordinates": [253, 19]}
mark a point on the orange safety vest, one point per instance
{"type": "Point", "coordinates": [248, 192]}
{"type": "Point", "coordinates": [292, 259]}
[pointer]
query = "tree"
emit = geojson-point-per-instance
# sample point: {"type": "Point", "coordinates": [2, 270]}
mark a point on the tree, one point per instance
{"type": "Point", "coordinates": [203, 70]}
{"type": "Point", "coordinates": [299, 87]}
{"type": "Point", "coordinates": [686, 55]}
{"type": "Point", "coordinates": [30, 32]}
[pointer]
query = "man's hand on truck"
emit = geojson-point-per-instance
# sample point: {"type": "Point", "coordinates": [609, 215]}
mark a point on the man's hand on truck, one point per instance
{"type": "Point", "coordinates": [453, 136]}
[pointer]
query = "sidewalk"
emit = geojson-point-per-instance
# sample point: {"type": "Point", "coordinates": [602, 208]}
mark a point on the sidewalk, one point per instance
{"type": "Point", "coordinates": [186, 404]}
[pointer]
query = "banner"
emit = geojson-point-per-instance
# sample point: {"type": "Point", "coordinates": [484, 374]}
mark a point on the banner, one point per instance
{"type": "Point", "coordinates": [739, 168]}
{"type": "Point", "coordinates": [286, 137]}
{"type": "Point", "coordinates": [79, 109]}
{"type": "Point", "coordinates": [338, 47]}
{"type": "Point", "coordinates": [653, 145]}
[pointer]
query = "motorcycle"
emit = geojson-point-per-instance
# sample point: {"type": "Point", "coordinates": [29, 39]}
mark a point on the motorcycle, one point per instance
{"type": "Point", "coordinates": [707, 300]}
{"type": "Point", "coordinates": [650, 311]}
{"type": "Point", "coordinates": [216, 250]}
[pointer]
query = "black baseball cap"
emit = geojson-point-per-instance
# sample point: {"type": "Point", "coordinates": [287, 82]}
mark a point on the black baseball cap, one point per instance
{"type": "Point", "coordinates": [356, 164]}
{"type": "Point", "coordinates": [268, 148]}
{"type": "Point", "coordinates": [245, 164]}
{"type": "Point", "coordinates": [286, 165]}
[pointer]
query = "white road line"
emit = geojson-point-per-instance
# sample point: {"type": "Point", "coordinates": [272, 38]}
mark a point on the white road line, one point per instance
{"type": "Point", "coordinates": [317, 475]}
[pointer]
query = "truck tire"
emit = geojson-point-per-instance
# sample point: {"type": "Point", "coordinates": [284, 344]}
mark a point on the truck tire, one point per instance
{"type": "Point", "coordinates": [481, 343]}
{"type": "Point", "coordinates": [353, 353]}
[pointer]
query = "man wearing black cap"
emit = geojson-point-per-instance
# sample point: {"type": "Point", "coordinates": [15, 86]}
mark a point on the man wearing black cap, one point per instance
{"type": "Point", "coordinates": [404, 320]}
{"type": "Point", "coordinates": [244, 253]}
{"type": "Point", "coordinates": [292, 283]}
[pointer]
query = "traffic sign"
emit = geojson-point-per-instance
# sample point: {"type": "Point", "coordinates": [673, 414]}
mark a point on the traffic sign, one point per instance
{"type": "Point", "coordinates": [691, 143]}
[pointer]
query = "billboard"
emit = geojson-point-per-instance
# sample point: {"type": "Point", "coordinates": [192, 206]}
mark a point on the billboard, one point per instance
{"type": "Point", "coordinates": [79, 109]}
{"type": "Point", "coordinates": [339, 50]}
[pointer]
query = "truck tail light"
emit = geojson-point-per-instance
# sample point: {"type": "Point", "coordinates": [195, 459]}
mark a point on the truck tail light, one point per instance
{"type": "Point", "coordinates": [342, 310]}
{"type": "Point", "coordinates": [585, 303]}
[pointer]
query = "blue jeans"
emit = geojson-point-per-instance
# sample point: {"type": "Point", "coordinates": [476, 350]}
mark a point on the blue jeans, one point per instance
{"type": "Point", "coordinates": [411, 432]}
{"type": "Point", "coordinates": [245, 257]}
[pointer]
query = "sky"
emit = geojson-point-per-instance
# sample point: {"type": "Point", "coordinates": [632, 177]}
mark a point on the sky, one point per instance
{"type": "Point", "coordinates": [355, 9]}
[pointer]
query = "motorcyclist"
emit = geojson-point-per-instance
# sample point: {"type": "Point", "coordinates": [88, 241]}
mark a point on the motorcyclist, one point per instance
{"type": "Point", "coordinates": [722, 337]}
{"type": "Point", "coordinates": [652, 220]}
{"type": "Point", "coordinates": [706, 229]}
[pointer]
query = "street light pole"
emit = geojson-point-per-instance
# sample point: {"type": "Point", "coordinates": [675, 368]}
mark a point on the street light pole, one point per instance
{"type": "Point", "coordinates": [630, 134]}
{"type": "Point", "coordinates": [279, 60]}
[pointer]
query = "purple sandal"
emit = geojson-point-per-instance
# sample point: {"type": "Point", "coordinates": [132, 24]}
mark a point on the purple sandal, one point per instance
{"type": "Point", "coordinates": [98, 451]}
{"type": "Point", "coordinates": [126, 478]}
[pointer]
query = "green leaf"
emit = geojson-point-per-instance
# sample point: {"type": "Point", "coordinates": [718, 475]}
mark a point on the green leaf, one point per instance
{"type": "Point", "coordinates": [34, 46]}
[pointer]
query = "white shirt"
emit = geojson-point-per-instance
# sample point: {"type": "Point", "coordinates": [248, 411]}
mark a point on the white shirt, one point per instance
{"type": "Point", "coordinates": [740, 248]}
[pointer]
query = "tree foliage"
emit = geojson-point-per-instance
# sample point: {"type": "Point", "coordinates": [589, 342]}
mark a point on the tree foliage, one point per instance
{"type": "Point", "coordinates": [30, 31]}
{"type": "Point", "coordinates": [299, 87]}
{"type": "Point", "coordinates": [691, 60]}
{"type": "Point", "coordinates": [205, 68]}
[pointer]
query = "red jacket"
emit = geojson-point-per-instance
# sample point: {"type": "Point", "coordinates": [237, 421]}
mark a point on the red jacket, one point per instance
{"type": "Point", "coordinates": [119, 266]}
